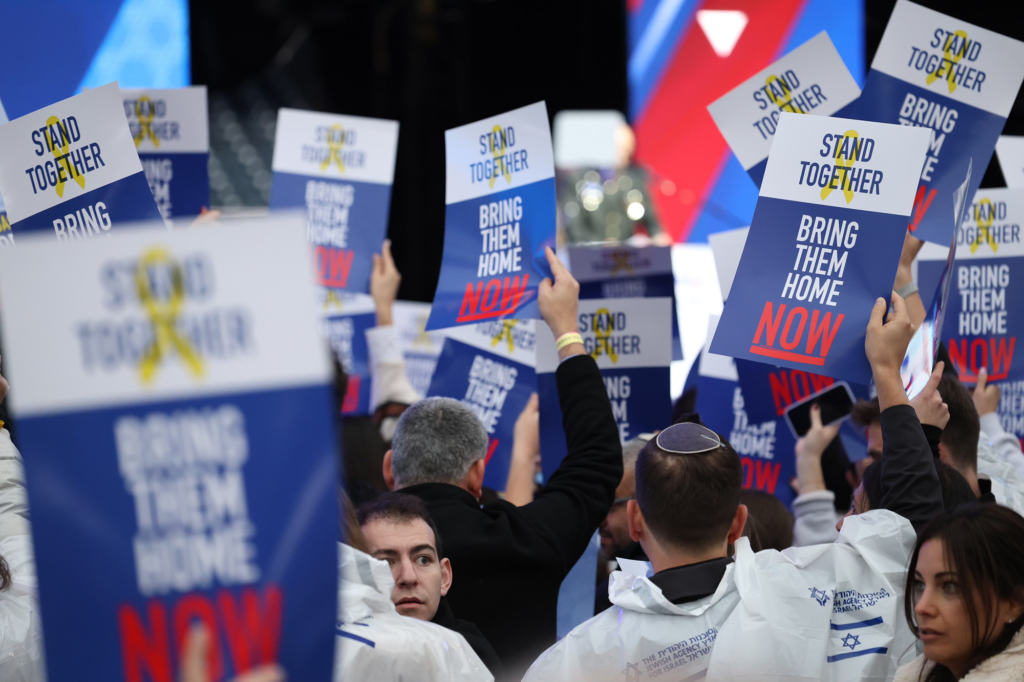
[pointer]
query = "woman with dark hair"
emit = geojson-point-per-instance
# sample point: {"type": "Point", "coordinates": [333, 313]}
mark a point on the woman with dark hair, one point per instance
{"type": "Point", "coordinates": [965, 597]}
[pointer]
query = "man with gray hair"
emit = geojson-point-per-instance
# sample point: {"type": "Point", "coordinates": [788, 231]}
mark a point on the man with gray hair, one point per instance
{"type": "Point", "coordinates": [511, 560]}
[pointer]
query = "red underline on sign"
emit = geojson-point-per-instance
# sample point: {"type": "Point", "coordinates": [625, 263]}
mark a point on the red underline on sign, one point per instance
{"type": "Point", "coordinates": [484, 316]}
{"type": "Point", "coordinates": [786, 355]}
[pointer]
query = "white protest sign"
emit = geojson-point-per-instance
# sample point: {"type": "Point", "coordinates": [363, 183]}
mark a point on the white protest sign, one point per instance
{"type": "Point", "coordinates": [335, 145]}
{"type": "Point", "coordinates": [812, 79]}
{"type": "Point", "coordinates": [1010, 152]}
{"type": "Point", "coordinates": [727, 247]}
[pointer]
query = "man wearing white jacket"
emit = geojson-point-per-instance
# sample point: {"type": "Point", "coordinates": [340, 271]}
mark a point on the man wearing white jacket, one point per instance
{"type": "Point", "coordinates": [825, 612]}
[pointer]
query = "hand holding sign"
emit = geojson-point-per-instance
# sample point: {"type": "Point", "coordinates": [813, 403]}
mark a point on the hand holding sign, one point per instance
{"type": "Point", "coordinates": [384, 282]}
{"type": "Point", "coordinates": [3, 388]}
{"type": "Point", "coordinates": [928, 403]}
{"type": "Point", "coordinates": [559, 300]}
{"type": "Point", "coordinates": [196, 667]}
{"type": "Point", "coordinates": [986, 396]}
{"type": "Point", "coordinates": [809, 450]}
{"type": "Point", "coordinates": [886, 345]}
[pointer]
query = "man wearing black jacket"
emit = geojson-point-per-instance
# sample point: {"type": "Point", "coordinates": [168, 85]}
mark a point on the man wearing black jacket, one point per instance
{"type": "Point", "coordinates": [511, 560]}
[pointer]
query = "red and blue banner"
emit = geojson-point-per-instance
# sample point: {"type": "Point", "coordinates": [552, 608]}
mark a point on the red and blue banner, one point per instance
{"type": "Point", "coordinates": [175, 414]}
{"type": "Point", "coordinates": [824, 244]}
{"type": "Point", "coordinates": [499, 216]}
{"type": "Point", "coordinates": [346, 318]}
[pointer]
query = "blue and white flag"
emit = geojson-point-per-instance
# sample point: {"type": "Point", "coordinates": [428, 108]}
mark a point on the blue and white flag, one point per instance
{"type": "Point", "coordinates": [338, 170]}
{"type": "Point", "coordinates": [420, 348]}
{"type": "Point", "coordinates": [490, 367]}
{"type": "Point", "coordinates": [812, 79]}
{"type": "Point", "coordinates": [624, 271]}
{"type": "Point", "coordinates": [499, 216]}
{"type": "Point", "coordinates": [171, 131]}
{"type": "Point", "coordinates": [71, 169]}
{"type": "Point", "coordinates": [175, 415]}
{"type": "Point", "coordinates": [985, 310]}
{"type": "Point", "coordinates": [344, 323]}
{"type": "Point", "coordinates": [631, 340]}
{"type": "Point", "coordinates": [824, 244]}
{"type": "Point", "coordinates": [957, 80]}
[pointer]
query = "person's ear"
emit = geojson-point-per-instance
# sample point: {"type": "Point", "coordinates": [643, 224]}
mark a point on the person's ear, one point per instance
{"type": "Point", "coordinates": [473, 481]}
{"type": "Point", "coordinates": [738, 523]}
{"type": "Point", "coordinates": [389, 475]}
{"type": "Point", "coordinates": [446, 576]}
{"type": "Point", "coordinates": [635, 519]}
{"type": "Point", "coordinates": [944, 454]}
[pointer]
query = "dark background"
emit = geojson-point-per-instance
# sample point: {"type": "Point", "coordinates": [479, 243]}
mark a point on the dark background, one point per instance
{"type": "Point", "coordinates": [431, 65]}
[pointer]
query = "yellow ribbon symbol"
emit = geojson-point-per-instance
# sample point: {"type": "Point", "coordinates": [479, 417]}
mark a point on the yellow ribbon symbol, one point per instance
{"type": "Point", "coordinates": [331, 298]}
{"type": "Point", "coordinates": [5, 226]}
{"type": "Point", "coordinates": [846, 164]}
{"type": "Point", "coordinates": [164, 315]}
{"type": "Point", "coordinates": [53, 142]}
{"type": "Point", "coordinates": [505, 333]}
{"type": "Point", "coordinates": [499, 153]}
{"type": "Point", "coordinates": [620, 261]}
{"type": "Point", "coordinates": [602, 335]}
{"type": "Point", "coordinates": [335, 141]}
{"type": "Point", "coordinates": [781, 102]}
{"type": "Point", "coordinates": [949, 59]}
{"type": "Point", "coordinates": [145, 122]}
{"type": "Point", "coordinates": [984, 227]}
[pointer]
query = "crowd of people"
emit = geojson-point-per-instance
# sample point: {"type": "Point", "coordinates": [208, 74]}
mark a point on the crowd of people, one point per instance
{"type": "Point", "coordinates": [440, 578]}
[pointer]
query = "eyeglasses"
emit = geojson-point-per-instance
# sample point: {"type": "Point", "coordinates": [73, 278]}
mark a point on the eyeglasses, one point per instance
{"type": "Point", "coordinates": [688, 439]}
{"type": "Point", "coordinates": [622, 500]}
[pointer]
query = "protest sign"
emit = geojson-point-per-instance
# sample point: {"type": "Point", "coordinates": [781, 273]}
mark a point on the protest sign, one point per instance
{"type": "Point", "coordinates": [1010, 152]}
{"type": "Point", "coordinates": [170, 128]}
{"type": "Point", "coordinates": [420, 348]}
{"type": "Point", "coordinates": [624, 271]}
{"type": "Point", "coordinates": [824, 244]}
{"type": "Point", "coordinates": [490, 368]}
{"type": "Point", "coordinates": [957, 80]}
{"type": "Point", "coordinates": [175, 415]}
{"type": "Point", "coordinates": [811, 79]}
{"type": "Point", "coordinates": [71, 169]}
{"type": "Point", "coordinates": [5, 225]}
{"type": "Point", "coordinates": [727, 247]}
{"type": "Point", "coordinates": [985, 311]}
{"type": "Point", "coordinates": [344, 326]}
{"type": "Point", "coordinates": [499, 215]}
{"type": "Point", "coordinates": [717, 383]}
{"type": "Point", "coordinates": [631, 341]}
{"type": "Point", "coordinates": [339, 170]}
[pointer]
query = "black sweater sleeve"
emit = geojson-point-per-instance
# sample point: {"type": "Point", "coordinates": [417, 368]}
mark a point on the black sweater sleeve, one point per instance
{"type": "Point", "coordinates": [910, 485]}
{"type": "Point", "coordinates": [933, 434]}
{"type": "Point", "coordinates": [577, 497]}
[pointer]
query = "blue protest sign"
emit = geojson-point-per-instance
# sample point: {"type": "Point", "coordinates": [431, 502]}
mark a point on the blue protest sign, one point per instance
{"type": "Point", "coordinates": [824, 244]}
{"type": "Point", "coordinates": [623, 271]}
{"type": "Point", "coordinates": [985, 311]}
{"type": "Point", "coordinates": [490, 368]}
{"type": "Point", "coordinates": [420, 348]}
{"type": "Point", "coordinates": [957, 80]}
{"type": "Point", "coordinates": [175, 413]}
{"type": "Point", "coordinates": [338, 170]}
{"type": "Point", "coordinates": [499, 215]}
{"type": "Point", "coordinates": [345, 319]}
{"type": "Point", "coordinates": [717, 385]}
{"type": "Point", "coordinates": [170, 129]}
{"type": "Point", "coordinates": [71, 169]}
{"type": "Point", "coordinates": [631, 341]}
{"type": "Point", "coordinates": [811, 79]}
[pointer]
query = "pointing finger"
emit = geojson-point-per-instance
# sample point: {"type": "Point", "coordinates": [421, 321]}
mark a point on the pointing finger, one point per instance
{"type": "Point", "coordinates": [557, 268]}
{"type": "Point", "coordinates": [933, 380]}
{"type": "Point", "coordinates": [982, 380]}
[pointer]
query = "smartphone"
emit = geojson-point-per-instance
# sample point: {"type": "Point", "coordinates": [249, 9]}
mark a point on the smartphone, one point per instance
{"type": "Point", "coordinates": [836, 402]}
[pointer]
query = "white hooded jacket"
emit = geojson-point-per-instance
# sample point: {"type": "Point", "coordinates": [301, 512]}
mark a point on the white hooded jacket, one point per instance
{"type": "Point", "coordinates": [21, 647]}
{"type": "Point", "coordinates": [375, 643]}
{"type": "Point", "coordinates": [824, 612]}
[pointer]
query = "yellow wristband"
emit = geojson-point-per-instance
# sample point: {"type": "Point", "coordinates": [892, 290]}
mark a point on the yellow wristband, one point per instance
{"type": "Point", "coordinates": [568, 339]}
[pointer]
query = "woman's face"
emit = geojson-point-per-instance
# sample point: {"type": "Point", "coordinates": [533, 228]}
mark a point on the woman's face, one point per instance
{"type": "Point", "coordinates": [942, 620]}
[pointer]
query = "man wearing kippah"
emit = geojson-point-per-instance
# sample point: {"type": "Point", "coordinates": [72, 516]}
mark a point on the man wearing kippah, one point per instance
{"type": "Point", "coordinates": [828, 612]}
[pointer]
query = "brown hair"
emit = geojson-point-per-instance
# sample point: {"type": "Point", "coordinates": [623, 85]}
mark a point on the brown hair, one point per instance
{"type": "Point", "coordinates": [689, 501]}
{"type": "Point", "coordinates": [770, 524]}
{"type": "Point", "coordinates": [984, 546]}
{"type": "Point", "coordinates": [961, 433]}
{"type": "Point", "coordinates": [866, 412]}
{"type": "Point", "coordinates": [352, 534]}
{"type": "Point", "coordinates": [399, 508]}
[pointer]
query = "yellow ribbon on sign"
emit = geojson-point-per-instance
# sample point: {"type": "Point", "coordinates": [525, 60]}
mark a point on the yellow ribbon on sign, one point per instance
{"type": "Point", "coordinates": [331, 298]}
{"type": "Point", "coordinates": [602, 336]}
{"type": "Point", "coordinates": [5, 226]}
{"type": "Point", "coordinates": [620, 261]}
{"type": "Point", "coordinates": [164, 315]}
{"type": "Point", "coordinates": [984, 227]}
{"type": "Point", "coordinates": [949, 59]}
{"type": "Point", "coordinates": [334, 148]}
{"type": "Point", "coordinates": [505, 333]}
{"type": "Point", "coordinates": [847, 165]}
{"type": "Point", "coordinates": [54, 147]}
{"type": "Point", "coordinates": [145, 123]}
{"type": "Point", "coordinates": [499, 153]}
{"type": "Point", "coordinates": [781, 102]}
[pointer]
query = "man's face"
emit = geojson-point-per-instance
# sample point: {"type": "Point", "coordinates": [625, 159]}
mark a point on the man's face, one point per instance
{"type": "Point", "coordinates": [409, 548]}
{"type": "Point", "coordinates": [614, 530]}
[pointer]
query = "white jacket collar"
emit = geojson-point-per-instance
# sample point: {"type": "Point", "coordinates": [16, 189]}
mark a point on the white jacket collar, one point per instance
{"type": "Point", "coordinates": [365, 585]}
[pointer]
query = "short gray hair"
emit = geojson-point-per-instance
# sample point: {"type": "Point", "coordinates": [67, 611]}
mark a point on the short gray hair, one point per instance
{"type": "Point", "coordinates": [630, 451]}
{"type": "Point", "coordinates": [436, 441]}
